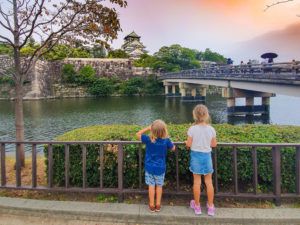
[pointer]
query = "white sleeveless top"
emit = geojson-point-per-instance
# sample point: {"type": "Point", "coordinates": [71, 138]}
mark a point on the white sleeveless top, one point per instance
{"type": "Point", "coordinates": [202, 136]}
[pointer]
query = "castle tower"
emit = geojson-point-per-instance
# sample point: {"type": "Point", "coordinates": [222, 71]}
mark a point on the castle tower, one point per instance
{"type": "Point", "coordinates": [133, 46]}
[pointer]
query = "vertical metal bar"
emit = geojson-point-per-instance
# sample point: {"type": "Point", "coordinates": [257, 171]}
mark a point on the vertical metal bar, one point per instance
{"type": "Point", "coordinates": [3, 166]}
{"type": "Point", "coordinates": [298, 170]}
{"type": "Point", "coordinates": [50, 166]}
{"type": "Point", "coordinates": [84, 166]}
{"type": "Point", "coordinates": [140, 166]}
{"type": "Point", "coordinates": [34, 166]}
{"type": "Point", "coordinates": [18, 165]}
{"type": "Point", "coordinates": [235, 172]}
{"type": "Point", "coordinates": [215, 170]}
{"type": "Point", "coordinates": [67, 166]}
{"type": "Point", "coordinates": [120, 173]}
{"type": "Point", "coordinates": [255, 175]}
{"type": "Point", "coordinates": [276, 174]}
{"type": "Point", "coordinates": [177, 170]}
{"type": "Point", "coordinates": [101, 165]}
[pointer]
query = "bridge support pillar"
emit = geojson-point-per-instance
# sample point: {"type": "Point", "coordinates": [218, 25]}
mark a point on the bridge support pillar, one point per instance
{"type": "Point", "coordinates": [166, 89]}
{"type": "Point", "coordinates": [265, 102]}
{"type": "Point", "coordinates": [249, 109]}
{"type": "Point", "coordinates": [249, 106]}
{"type": "Point", "coordinates": [174, 89]}
{"type": "Point", "coordinates": [192, 92]}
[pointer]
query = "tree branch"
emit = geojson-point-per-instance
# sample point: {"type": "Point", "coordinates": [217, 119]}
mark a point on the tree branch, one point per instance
{"type": "Point", "coordinates": [7, 40]}
{"type": "Point", "coordinates": [276, 3]}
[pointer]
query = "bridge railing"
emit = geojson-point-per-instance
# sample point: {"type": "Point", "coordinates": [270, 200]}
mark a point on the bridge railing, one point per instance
{"type": "Point", "coordinates": [280, 71]}
{"type": "Point", "coordinates": [233, 149]}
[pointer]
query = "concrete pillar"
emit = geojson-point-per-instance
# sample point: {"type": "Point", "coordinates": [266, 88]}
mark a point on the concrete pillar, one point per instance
{"type": "Point", "coordinates": [230, 102]}
{"type": "Point", "coordinates": [249, 106]}
{"type": "Point", "coordinates": [173, 89]}
{"type": "Point", "coordinates": [166, 89]}
{"type": "Point", "coordinates": [183, 92]}
{"type": "Point", "coordinates": [203, 91]}
{"type": "Point", "coordinates": [193, 92]}
{"type": "Point", "coordinates": [265, 101]}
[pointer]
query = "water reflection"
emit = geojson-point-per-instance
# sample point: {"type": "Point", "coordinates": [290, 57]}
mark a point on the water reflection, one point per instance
{"type": "Point", "coordinates": [46, 119]}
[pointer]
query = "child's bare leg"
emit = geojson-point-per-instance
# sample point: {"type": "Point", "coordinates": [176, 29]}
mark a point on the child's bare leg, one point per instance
{"type": "Point", "coordinates": [158, 195]}
{"type": "Point", "coordinates": [209, 189]}
{"type": "Point", "coordinates": [196, 188]}
{"type": "Point", "coordinates": [151, 191]}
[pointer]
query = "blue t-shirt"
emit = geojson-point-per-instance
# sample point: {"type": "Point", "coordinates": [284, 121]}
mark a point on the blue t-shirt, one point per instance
{"type": "Point", "coordinates": [156, 152]}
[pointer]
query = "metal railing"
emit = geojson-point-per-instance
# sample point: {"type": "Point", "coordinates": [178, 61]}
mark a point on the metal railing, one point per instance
{"type": "Point", "coordinates": [276, 194]}
{"type": "Point", "coordinates": [274, 72]}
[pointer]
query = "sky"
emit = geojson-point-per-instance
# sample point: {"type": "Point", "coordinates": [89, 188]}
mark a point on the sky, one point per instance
{"type": "Point", "coordinates": [239, 29]}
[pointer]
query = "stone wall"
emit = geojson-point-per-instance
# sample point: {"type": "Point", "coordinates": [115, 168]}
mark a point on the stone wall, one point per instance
{"type": "Point", "coordinates": [46, 74]}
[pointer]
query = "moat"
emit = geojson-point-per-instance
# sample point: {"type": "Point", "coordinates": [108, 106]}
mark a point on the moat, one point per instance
{"type": "Point", "coordinates": [46, 119]}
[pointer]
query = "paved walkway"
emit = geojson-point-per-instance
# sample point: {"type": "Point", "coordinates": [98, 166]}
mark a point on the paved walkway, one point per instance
{"type": "Point", "coordinates": [14, 211]}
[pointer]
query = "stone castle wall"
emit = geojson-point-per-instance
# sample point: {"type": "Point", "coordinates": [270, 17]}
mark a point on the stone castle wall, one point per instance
{"type": "Point", "coordinates": [46, 74]}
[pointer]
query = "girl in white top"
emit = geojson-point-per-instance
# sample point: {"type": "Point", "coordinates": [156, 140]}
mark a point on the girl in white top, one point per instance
{"type": "Point", "coordinates": [201, 139]}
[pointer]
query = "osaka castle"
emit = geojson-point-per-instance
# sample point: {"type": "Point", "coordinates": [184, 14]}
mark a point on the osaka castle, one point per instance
{"type": "Point", "coordinates": [133, 46]}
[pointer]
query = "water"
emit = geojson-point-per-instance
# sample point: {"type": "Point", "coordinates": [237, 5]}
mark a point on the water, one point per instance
{"type": "Point", "coordinates": [46, 119]}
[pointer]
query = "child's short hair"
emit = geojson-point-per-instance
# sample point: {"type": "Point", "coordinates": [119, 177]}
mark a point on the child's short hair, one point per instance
{"type": "Point", "coordinates": [201, 114]}
{"type": "Point", "coordinates": [158, 130]}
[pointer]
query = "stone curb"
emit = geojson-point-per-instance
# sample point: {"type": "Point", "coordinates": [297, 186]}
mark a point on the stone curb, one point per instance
{"type": "Point", "coordinates": [25, 211]}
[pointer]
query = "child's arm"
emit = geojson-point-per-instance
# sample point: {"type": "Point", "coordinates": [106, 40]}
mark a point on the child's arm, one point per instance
{"type": "Point", "coordinates": [139, 133]}
{"type": "Point", "coordinates": [189, 142]}
{"type": "Point", "coordinates": [213, 142]}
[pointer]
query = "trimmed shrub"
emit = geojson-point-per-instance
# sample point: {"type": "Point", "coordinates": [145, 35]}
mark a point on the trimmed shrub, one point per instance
{"type": "Point", "coordinates": [101, 87]}
{"type": "Point", "coordinates": [68, 73]}
{"type": "Point", "coordinates": [133, 86]}
{"type": "Point", "coordinates": [86, 75]}
{"type": "Point", "coordinates": [225, 133]}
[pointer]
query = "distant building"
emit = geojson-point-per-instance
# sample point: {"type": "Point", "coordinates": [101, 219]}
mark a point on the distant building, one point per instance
{"type": "Point", "coordinates": [133, 46]}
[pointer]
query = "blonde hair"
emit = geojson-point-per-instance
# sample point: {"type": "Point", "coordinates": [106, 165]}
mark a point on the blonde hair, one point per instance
{"type": "Point", "coordinates": [201, 114]}
{"type": "Point", "coordinates": [158, 130]}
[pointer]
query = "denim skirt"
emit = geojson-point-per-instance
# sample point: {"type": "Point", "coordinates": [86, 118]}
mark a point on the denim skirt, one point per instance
{"type": "Point", "coordinates": [201, 163]}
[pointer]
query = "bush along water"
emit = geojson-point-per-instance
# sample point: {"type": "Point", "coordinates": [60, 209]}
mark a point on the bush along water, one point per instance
{"type": "Point", "coordinates": [226, 133]}
{"type": "Point", "coordinates": [107, 86]}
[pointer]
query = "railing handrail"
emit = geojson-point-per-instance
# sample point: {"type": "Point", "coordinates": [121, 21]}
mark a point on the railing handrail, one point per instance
{"type": "Point", "coordinates": [253, 148]}
{"type": "Point", "coordinates": [139, 142]}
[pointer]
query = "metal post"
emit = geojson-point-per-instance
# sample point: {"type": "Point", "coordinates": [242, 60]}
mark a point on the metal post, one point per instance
{"type": "Point", "coordinates": [3, 167]}
{"type": "Point", "coordinates": [120, 173]}
{"type": "Point", "coordinates": [276, 174]}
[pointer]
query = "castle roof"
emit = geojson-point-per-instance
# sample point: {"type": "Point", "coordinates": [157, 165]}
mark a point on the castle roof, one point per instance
{"type": "Point", "coordinates": [132, 34]}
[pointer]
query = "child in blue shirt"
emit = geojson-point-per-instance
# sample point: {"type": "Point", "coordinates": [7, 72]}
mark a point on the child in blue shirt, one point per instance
{"type": "Point", "coordinates": [157, 145]}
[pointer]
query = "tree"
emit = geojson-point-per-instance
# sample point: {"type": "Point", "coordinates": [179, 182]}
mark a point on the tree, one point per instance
{"type": "Point", "coordinates": [118, 53]}
{"type": "Point", "coordinates": [211, 56]}
{"type": "Point", "coordinates": [67, 21]}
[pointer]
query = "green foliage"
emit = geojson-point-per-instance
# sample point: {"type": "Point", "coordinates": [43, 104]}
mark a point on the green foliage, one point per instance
{"type": "Point", "coordinates": [175, 58]}
{"type": "Point", "coordinates": [99, 51]}
{"type": "Point", "coordinates": [118, 53]}
{"type": "Point", "coordinates": [225, 133]}
{"type": "Point", "coordinates": [6, 80]}
{"type": "Point", "coordinates": [5, 49]}
{"type": "Point", "coordinates": [133, 86]}
{"type": "Point", "coordinates": [68, 73]}
{"type": "Point", "coordinates": [86, 75]}
{"type": "Point", "coordinates": [209, 55]}
{"type": "Point", "coordinates": [101, 87]}
{"type": "Point", "coordinates": [65, 51]}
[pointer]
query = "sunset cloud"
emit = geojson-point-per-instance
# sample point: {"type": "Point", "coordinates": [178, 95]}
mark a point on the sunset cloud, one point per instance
{"type": "Point", "coordinates": [198, 24]}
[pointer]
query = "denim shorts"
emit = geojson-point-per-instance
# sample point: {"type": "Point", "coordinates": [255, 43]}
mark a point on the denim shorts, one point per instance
{"type": "Point", "coordinates": [201, 163]}
{"type": "Point", "coordinates": [154, 180]}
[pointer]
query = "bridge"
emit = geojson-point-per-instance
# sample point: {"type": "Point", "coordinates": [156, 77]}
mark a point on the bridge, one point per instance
{"type": "Point", "coordinates": [237, 81]}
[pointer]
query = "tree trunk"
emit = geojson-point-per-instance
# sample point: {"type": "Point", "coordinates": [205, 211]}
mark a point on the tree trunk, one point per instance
{"type": "Point", "coordinates": [19, 122]}
{"type": "Point", "coordinates": [18, 78]}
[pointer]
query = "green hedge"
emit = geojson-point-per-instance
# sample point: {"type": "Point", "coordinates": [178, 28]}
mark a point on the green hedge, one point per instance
{"type": "Point", "coordinates": [225, 133]}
